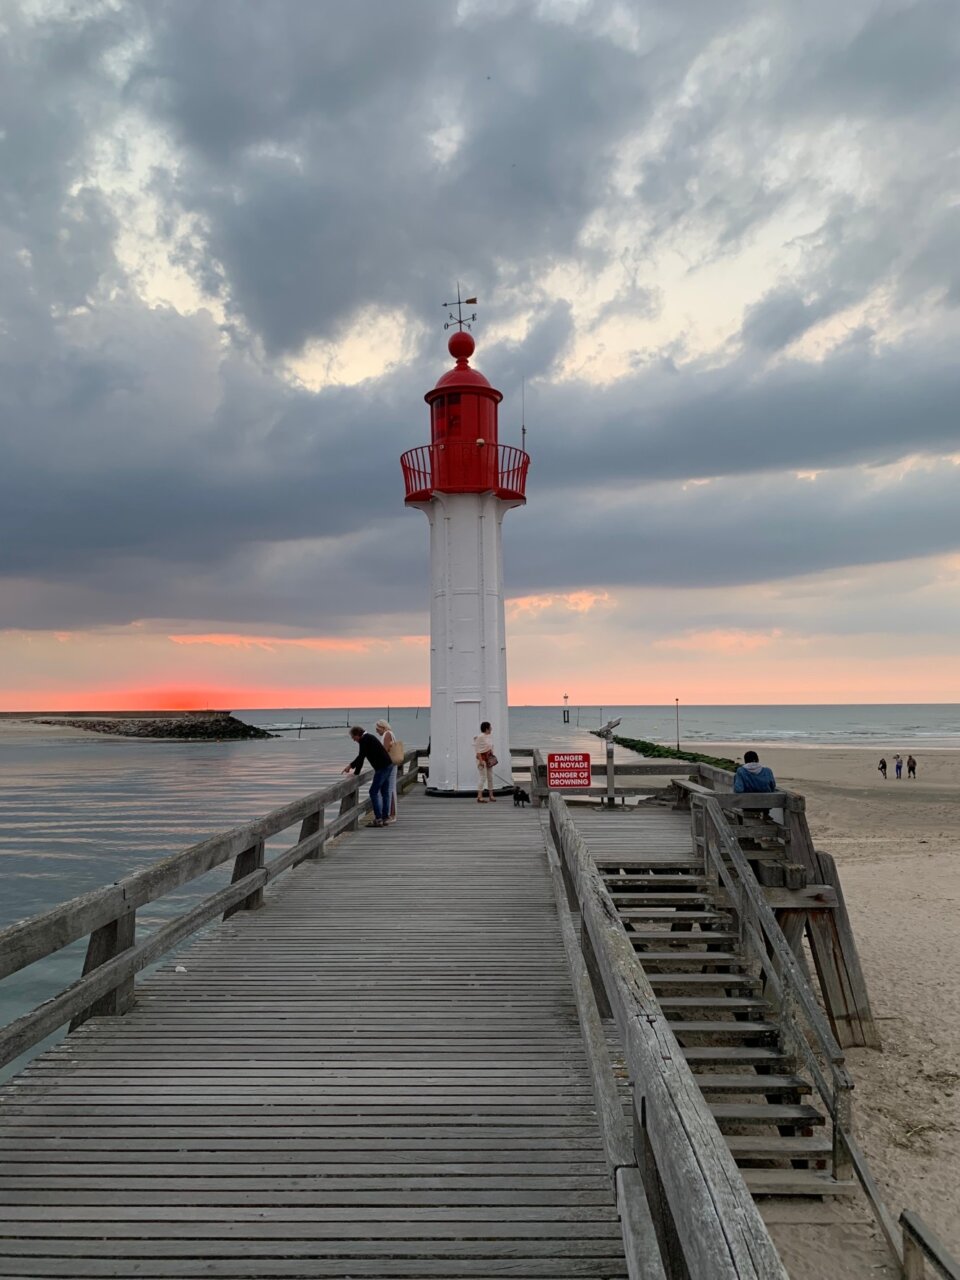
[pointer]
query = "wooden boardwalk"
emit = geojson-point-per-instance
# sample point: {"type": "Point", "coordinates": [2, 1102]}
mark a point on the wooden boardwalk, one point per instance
{"type": "Point", "coordinates": [647, 835]}
{"type": "Point", "coordinates": [379, 1074]}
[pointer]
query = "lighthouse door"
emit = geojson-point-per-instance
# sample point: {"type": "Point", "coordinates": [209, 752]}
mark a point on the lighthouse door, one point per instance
{"type": "Point", "coordinates": [468, 726]}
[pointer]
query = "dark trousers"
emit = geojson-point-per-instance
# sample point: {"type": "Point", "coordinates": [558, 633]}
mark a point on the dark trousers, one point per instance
{"type": "Point", "coordinates": [380, 791]}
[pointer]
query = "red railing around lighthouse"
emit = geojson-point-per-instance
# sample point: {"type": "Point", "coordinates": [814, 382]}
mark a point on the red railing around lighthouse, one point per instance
{"type": "Point", "coordinates": [465, 467]}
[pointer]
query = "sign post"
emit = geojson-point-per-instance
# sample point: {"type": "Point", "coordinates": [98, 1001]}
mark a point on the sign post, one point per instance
{"type": "Point", "coordinates": [568, 770]}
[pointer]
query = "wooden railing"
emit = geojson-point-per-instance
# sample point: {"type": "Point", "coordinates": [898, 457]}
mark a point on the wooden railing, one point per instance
{"type": "Point", "coordinates": [921, 1246]}
{"type": "Point", "coordinates": [804, 1028]}
{"type": "Point", "coordinates": [705, 1219]}
{"type": "Point", "coordinates": [108, 915]}
{"type": "Point", "coordinates": [627, 777]}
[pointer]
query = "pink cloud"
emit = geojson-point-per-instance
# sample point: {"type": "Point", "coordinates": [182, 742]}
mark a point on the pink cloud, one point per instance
{"type": "Point", "coordinates": [271, 644]}
{"type": "Point", "coordinates": [573, 601]}
{"type": "Point", "coordinates": [720, 641]}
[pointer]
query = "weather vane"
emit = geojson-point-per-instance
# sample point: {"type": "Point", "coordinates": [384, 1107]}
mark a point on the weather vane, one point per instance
{"type": "Point", "coordinates": [462, 321]}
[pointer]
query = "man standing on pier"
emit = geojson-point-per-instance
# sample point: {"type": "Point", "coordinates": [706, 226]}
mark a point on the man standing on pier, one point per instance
{"type": "Point", "coordinates": [372, 749]}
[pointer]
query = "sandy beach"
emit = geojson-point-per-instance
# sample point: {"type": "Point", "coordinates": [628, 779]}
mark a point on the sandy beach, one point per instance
{"type": "Point", "coordinates": [896, 844]}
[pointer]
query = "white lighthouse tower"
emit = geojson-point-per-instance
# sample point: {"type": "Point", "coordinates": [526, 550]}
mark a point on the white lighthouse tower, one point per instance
{"type": "Point", "coordinates": [464, 481]}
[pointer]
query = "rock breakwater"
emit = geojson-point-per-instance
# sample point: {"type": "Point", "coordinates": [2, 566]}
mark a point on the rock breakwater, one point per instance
{"type": "Point", "coordinates": [195, 728]}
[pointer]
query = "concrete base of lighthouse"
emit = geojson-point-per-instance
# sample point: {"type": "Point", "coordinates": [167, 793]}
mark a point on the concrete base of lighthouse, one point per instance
{"type": "Point", "coordinates": [468, 659]}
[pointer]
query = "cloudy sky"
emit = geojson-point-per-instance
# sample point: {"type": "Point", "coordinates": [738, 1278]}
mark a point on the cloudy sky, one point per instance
{"type": "Point", "coordinates": [718, 239]}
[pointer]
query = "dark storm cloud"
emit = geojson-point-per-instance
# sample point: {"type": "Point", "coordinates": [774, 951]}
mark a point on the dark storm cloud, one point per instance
{"type": "Point", "coordinates": [308, 149]}
{"type": "Point", "coordinates": [154, 466]}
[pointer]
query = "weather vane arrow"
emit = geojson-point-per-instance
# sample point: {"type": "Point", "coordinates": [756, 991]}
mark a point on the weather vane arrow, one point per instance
{"type": "Point", "coordinates": [462, 321]}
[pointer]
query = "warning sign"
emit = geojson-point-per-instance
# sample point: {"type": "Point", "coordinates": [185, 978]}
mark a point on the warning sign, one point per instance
{"type": "Point", "coordinates": [568, 769]}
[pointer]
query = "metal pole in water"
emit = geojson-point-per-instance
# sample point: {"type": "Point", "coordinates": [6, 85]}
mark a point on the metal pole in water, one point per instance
{"type": "Point", "coordinates": [677, 701]}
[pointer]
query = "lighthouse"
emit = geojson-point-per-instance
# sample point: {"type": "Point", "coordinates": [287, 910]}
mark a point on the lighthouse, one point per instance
{"type": "Point", "coordinates": [464, 480]}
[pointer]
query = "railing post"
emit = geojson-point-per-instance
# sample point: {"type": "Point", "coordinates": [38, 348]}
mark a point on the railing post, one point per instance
{"type": "Point", "coordinates": [249, 860]}
{"type": "Point", "coordinates": [311, 824]}
{"type": "Point", "coordinates": [351, 802]}
{"type": "Point", "coordinates": [536, 793]}
{"type": "Point", "coordinates": [106, 943]}
{"type": "Point", "coordinates": [913, 1261]}
{"type": "Point", "coordinates": [842, 1124]}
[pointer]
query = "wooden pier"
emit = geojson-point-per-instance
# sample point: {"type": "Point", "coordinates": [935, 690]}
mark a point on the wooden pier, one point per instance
{"type": "Point", "coordinates": [460, 1046]}
{"type": "Point", "coordinates": [383, 1064]}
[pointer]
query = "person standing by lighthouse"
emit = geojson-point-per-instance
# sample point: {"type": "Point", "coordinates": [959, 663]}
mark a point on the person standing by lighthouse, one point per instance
{"type": "Point", "coordinates": [465, 481]}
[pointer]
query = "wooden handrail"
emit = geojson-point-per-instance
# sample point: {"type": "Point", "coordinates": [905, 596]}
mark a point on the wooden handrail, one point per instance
{"type": "Point", "coordinates": [748, 898]}
{"type": "Point", "coordinates": [712, 1214]}
{"type": "Point", "coordinates": [108, 914]}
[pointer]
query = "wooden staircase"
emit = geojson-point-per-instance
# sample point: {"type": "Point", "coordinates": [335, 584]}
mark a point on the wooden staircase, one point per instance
{"type": "Point", "coordinates": [685, 934]}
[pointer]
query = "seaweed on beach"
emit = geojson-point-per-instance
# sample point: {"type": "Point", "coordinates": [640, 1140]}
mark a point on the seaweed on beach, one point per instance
{"type": "Point", "coordinates": [655, 751]}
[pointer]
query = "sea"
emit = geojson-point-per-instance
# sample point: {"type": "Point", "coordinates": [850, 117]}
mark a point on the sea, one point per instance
{"type": "Point", "coordinates": [77, 812]}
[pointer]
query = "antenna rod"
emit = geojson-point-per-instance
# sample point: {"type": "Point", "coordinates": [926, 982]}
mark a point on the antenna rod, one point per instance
{"type": "Point", "coordinates": [523, 414]}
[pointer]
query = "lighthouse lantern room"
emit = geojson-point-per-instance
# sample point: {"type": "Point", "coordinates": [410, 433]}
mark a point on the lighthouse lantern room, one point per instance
{"type": "Point", "coordinates": [464, 480]}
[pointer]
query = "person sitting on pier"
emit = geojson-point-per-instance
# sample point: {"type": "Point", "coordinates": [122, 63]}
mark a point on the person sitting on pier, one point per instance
{"type": "Point", "coordinates": [753, 776]}
{"type": "Point", "coordinates": [372, 749]}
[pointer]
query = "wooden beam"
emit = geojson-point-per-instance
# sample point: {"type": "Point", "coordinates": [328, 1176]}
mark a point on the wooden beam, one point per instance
{"type": "Point", "coordinates": [106, 943]}
{"type": "Point", "coordinates": [312, 825]}
{"type": "Point", "coordinates": [248, 861]}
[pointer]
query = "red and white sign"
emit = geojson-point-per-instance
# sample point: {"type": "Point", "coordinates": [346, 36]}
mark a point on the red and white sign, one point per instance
{"type": "Point", "coordinates": [568, 769]}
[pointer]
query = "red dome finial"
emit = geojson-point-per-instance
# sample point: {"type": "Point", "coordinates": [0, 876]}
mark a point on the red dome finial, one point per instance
{"type": "Point", "coordinates": [461, 346]}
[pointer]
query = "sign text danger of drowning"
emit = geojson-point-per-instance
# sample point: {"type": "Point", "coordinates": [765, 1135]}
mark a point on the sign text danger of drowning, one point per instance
{"type": "Point", "coordinates": [568, 769]}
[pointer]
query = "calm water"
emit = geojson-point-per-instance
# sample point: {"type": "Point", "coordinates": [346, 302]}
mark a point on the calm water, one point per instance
{"type": "Point", "coordinates": [80, 812]}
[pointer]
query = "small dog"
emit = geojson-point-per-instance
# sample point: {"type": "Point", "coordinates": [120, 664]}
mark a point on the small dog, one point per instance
{"type": "Point", "coordinates": [520, 797]}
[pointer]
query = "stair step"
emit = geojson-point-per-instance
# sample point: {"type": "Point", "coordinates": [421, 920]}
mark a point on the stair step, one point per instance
{"type": "Point", "coordinates": [666, 899]}
{"type": "Point", "coordinates": [750, 1083]}
{"type": "Point", "coordinates": [765, 1113]}
{"type": "Point", "coordinates": [685, 866]}
{"type": "Point", "coordinates": [702, 979]}
{"type": "Point", "coordinates": [795, 1182]}
{"type": "Point", "coordinates": [667, 913]}
{"type": "Point", "coordinates": [735, 1004]}
{"type": "Point", "coordinates": [777, 1146]}
{"type": "Point", "coordinates": [654, 879]}
{"type": "Point", "coordinates": [680, 936]}
{"type": "Point", "coordinates": [720, 1055]}
{"type": "Point", "coordinates": [677, 956]}
{"type": "Point", "coordinates": [735, 1030]}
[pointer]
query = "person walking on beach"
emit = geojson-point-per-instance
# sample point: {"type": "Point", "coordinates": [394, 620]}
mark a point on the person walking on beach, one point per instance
{"type": "Point", "coordinates": [373, 750]}
{"type": "Point", "coordinates": [483, 749]}
{"type": "Point", "coordinates": [388, 739]}
{"type": "Point", "coordinates": [911, 768]}
{"type": "Point", "coordinates": [882, 767]}
{"type": "Point", "coordinates": [898, 766]}
{"type": "Point", "coordinates": [753, 776]}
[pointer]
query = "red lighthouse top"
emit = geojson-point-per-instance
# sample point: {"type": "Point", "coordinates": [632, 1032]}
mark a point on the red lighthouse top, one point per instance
{"type": "Point", "coordinates": [464, 454]}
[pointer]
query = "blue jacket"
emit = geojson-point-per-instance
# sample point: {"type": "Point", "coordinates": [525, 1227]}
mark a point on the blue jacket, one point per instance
{"type": "Point", "coordinates": [762, 780]}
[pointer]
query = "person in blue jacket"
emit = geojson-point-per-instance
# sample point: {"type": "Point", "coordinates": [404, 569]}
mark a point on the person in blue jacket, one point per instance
{"type": "Point", "coordinates": [753, 776]}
